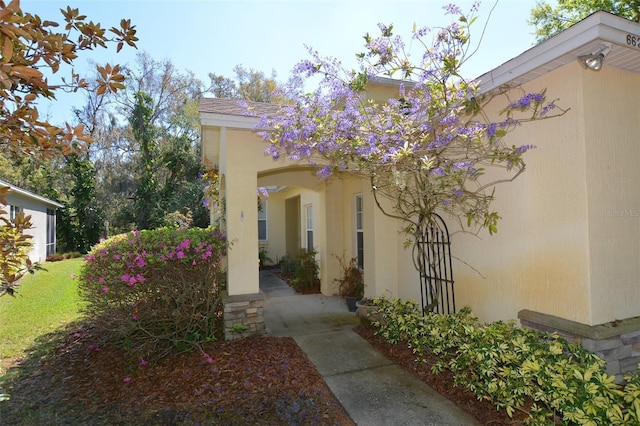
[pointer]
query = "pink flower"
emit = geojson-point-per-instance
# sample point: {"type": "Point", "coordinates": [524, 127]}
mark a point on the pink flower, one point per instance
{"type": "Point", "coordinates": [91, 347]}
{"type": "Point", "coordinates": [132, 281]}
{"type": "Point", "coordinates": [101, 279]}
{"type": "Point", "coordinates": [126, 379]}
{"type": "Point", "coordinates": [105, 288]}
{"type": "Point", "coordinates": [180, 254]}
{"type": "Point", "coordinates": [125, 278]}
{"type": "Point", "coordinates": [140, 278]}
{"type": "Point", "coordinates": [194, 263]}
{"type": "Point", "coordinates": [134, 317]}
{"type": "Point", "coordinates": [117, 256]}
{"type": "Point", "coordinates": [73, 276]}
{"type": "Point", "coordinates": [143, 362]}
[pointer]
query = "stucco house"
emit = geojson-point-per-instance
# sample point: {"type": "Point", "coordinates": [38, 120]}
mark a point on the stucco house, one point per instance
{"type": "Point", "coordinates": [43, 219]}
{"type": "Point", "coordinates": [567, 254]}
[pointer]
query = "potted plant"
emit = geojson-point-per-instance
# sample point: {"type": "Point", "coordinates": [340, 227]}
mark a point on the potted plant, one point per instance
{"type": "Point", "coordinates": [351, 284]}
{"type": "Point", "coordinates": [366, 310]}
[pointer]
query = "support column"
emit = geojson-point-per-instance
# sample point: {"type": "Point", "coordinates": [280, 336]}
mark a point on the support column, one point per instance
{"type": "Point", "coordinates": [241, 184]}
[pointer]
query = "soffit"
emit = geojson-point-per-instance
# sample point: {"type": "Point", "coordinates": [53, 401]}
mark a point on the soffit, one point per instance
{"type": "Point", "coordinates": [585, 37]}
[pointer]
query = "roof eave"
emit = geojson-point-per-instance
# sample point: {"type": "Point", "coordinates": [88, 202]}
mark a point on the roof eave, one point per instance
{"type": "Point", "coordinates": [24, 192]}
{"type": "Point", "coordinates": [226, 120]}
{"type": "Point", "coordinates": [561, 49]}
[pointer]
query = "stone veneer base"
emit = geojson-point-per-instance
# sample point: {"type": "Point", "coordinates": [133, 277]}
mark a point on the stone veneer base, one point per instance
{"type": "Point", "coordinates": [243, 315]}
{"type": "Point", "coordinates": [617, 342]}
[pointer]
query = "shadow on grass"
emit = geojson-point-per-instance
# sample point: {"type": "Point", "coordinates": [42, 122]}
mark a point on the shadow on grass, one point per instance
{"type": "Point", "coordinates": [34, 388]}
{"type": "Point", "coordinates": [40, 389]}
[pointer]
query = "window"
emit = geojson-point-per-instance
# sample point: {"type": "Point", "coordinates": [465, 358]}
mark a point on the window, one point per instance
{"type": "Point", "coordinates": [262, 221]}
{"type": "Point", "coordinates": [309, 221]}
{"type": "Point", "coordinates": [359, 237]}
{"type": "Point", "coordinates": [14, 211]}
{"type": "Point", "coordinates": [51, 232]}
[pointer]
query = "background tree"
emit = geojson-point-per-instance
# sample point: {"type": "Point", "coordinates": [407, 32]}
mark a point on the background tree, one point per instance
{"type": "Point", "coordinates": [146, 194]}
{"type": "Point", "coordinates": [167, 163]}
{"type": "Point", "coordinates": [79, 220]}
{"type": "Point", "coordinates": [425, 152]}
{"type": "Point", "coordinates": [248, 85]}
{"type": "Point", "coordinates": [549, 20]}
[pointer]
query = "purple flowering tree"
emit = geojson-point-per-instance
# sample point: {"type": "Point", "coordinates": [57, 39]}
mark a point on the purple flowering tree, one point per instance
{"type": "Point", "coordinates": [425, 151]}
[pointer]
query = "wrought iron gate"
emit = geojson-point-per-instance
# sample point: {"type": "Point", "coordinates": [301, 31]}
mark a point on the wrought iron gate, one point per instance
{"type": "Point", "coordinates": [432, 254]}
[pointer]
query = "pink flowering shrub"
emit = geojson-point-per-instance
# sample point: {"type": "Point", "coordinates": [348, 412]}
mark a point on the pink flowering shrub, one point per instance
{"type": "Point", "coordinates": [155, 292]}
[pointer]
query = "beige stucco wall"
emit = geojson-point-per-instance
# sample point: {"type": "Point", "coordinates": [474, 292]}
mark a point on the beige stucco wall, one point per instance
{"type": "Point", "coordinates": [612, 138]}
{"type": "Point", "coordinates": [538, 260]}
{"type": "Point", "coordinates": [557, 251]}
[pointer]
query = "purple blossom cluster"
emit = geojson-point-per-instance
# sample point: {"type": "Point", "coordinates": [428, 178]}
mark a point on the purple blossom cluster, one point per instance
{"type": "Point", "coordinates": [527, 101]}
{"type": "Point", "coordinates": [434, 115]}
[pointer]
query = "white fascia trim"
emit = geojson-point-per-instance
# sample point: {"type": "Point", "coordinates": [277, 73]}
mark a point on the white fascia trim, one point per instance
{"type": "Point", "coordinates": [226, 120]}
{"type": "Point", "coordinates": [24, 192]}
{"type": "Point", "coordinates": [599, 26]}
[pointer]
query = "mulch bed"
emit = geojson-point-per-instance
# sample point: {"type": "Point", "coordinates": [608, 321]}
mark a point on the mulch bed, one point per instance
{"type": "Point", "coordinates": [263, 381]}
{"type": "Point", "coordinates": [267, 381]}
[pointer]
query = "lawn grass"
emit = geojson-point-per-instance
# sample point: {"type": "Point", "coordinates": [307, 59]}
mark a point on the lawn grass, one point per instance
{"type": "Point", "coordinates": [46, 301]}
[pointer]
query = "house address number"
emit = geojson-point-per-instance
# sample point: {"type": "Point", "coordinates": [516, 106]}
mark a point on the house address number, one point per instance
{"type": "Point", "coordinates": [633, 40]}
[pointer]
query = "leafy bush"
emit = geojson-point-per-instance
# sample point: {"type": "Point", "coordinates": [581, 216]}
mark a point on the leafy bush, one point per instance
{"type": "Point", "coordinates": [351, 283]}
{"type": "Point", "coordinates": [541, 374]}
{"type": "Point", "coordinates": [288, 265]}
{"type": "Point", "coordinates": [307, 271]}
{"type": "Point", "coordinates": [263, 257]}
{"type": "Point", "coordinates": [155, 291]}
{"type": "Point", "coordinates": [16, 245]}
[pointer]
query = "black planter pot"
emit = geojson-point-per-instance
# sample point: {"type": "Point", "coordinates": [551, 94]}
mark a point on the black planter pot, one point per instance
{"type": "Point", "coordinates": [351, 303]}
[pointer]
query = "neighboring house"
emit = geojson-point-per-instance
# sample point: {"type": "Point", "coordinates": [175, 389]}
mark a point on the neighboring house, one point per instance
{"type": "Point", "coordinates": [567, 253]}
{"type": "Point", "coordinates": [43, 219]}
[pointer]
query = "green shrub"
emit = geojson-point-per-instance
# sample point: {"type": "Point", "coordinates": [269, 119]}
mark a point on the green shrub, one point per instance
{"type": "Point", "coordinates": [307, 271]}
{"type": "Point", "coordinates": [263, 257]}
{"type": "Point", "coordinates": [14, 256]}
{"type": "Point", "coordinates": [351, 283]}
{"type": "Point", "coordinates": [287, 265]}
{"type": "Point", "coordinates": [541, 374]}
{"type": "Point", "coordinates": [157, 291]}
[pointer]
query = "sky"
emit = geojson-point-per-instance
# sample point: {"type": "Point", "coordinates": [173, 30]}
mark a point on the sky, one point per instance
{"type": "Point", "coordinates": [213, 36]}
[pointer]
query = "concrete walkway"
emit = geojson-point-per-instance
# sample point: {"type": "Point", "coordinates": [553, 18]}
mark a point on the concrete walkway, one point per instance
{"type": "Point", "coordinates": [372, 389]}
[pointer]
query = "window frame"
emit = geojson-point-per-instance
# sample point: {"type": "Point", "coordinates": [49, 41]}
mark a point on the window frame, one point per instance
{"type": "Point", "coordinates": [14, 211]}
{"type": "Point", "coordinates": [358, 217]}
{"type": "Point", "coordinates": [308, 220]}
{"type": "Point", "coordinates": [263, 217]}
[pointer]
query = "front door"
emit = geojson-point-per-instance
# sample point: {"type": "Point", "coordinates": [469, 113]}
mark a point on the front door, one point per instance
{"type": "Point", "coordinates": [292, 225]}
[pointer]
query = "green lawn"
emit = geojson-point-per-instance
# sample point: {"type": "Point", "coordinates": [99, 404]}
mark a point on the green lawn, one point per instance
{"type": "Point", "coordinates": [46, 300]}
